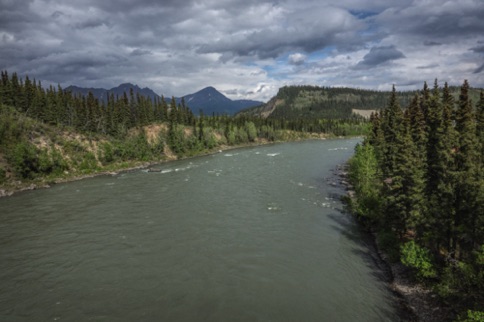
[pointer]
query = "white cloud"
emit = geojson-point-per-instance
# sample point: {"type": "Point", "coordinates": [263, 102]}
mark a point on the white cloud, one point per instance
{"type": "Point", "coordinates": [297, 59]}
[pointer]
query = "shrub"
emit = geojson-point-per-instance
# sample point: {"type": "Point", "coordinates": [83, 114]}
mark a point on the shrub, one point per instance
{"type": "Point", "coordinates": [24, 160]}
{"type": "Point", "coordinates": [419, 259]}
{"type": "Point", "coordinates": [472, 316]}
{"type": "Point", "coordinates": [88, 163]}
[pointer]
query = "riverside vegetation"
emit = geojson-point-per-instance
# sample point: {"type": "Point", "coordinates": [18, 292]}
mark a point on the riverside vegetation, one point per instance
{"type": "Point", "coordinates": [419, 183]}
{"type": "Point", "coordinates": [47, 135]}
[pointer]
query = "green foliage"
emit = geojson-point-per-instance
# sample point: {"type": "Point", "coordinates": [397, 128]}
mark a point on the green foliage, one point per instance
{"type": "Point", "coordinates": [88, 163]}
{"type": "Point", "coordinates": [177, 141]}
{"type": "Point", "coordinates": [429, 189]}
{"type": "Point", "coordinates": [462, 282]}
{"type": "Point", "coordinates": [472, 316]}
{"type": "Point", "coordinates": [107, 154]}
{"type": "Point", "coordinates": [251, 131]}
{"type": "Point", "coordinates": [363, 173]}
{"type": "Point", "coordinates": [418, 258]}
{"type": "Point", "coordinates": [209, 139]}
{"type": "Point", "coordinates": [24, 160]}
{"type": "Point", "coordinates": [313, 102]}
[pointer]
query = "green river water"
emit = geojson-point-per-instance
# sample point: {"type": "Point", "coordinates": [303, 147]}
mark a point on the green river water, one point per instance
{"type": "Point", "coordinates": [254, 234]}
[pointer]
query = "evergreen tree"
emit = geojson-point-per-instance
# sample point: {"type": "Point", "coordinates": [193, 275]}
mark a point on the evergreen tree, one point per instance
{"type": "Point", "coordinates": [467, 181]}
{"type": "Point", "coordinates": [416, 121]}
{"type": "Point", "coordinates": [392, 128]}
{"type": "Point", "coordinates": [394, 159]}
{"type": "Point", "coordinates": [480, 129]}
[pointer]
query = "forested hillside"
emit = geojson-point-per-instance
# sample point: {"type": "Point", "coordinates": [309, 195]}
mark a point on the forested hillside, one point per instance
{"type": "Point", "coordinates": [308, 102]}
{"type": "Point", "coordinates": [47, 134]}
{"type": "Point", "coordinates": [419, 181]}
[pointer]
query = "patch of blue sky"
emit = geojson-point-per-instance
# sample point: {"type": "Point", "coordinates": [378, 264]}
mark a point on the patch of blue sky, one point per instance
{"type": "Point", "coordinates": [277, 71]}
{"type": "Point", "coordinates": [282, 68]}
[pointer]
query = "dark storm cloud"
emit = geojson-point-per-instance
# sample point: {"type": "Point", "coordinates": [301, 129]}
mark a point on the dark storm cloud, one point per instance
{"type": "Point", "coordinates": [437, 19]}
{"type": "Point", "coordinates": [140, 52]}
{"type": "Point", "coordinates": [479, 69]}
{"type": "Point", "coordinates": [428, 66]}
{"type": "Point", "coordinates": [378, 56]}
{"type": "Point", "coordinates": [254, 46]}
{"type": "Point", "coordinates": [479, 49]}
{"type": "Point", "coordinates": [307, 30]}
{"type": "Point", "coordinates": [431, 43]}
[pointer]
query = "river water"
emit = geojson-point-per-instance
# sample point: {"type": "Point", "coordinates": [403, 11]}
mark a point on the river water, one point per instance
{"type": "Point", "coordinates": [253, 234]}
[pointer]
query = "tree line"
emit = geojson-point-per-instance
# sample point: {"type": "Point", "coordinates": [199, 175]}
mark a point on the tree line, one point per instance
{"type": "Point", "coordinates": [115, 117]}
{"type": "Point", "coordinates": [56, 106]}
{"type": "Point", "coordinates": [419, 182]}
{"type": "Point", "coordinates": [117, 130]}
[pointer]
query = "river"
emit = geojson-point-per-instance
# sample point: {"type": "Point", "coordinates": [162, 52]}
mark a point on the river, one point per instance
{"type": "Point", "coordinates": [254, 234]}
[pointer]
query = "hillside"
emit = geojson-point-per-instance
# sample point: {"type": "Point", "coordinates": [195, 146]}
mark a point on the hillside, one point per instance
{"type": "Point", "coordinates": [309, 102]}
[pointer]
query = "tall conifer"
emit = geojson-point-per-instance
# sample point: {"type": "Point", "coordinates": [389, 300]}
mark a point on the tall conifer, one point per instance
{"type": "Point", "coordinates": [466, 175]}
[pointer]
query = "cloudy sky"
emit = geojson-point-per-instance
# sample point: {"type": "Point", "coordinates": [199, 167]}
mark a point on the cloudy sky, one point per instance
{"type": "Point", "coordinates": [244, 48]}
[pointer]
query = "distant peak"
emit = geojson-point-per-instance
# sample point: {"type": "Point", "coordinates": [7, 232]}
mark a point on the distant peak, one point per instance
{"type": "Point", "coordinates": [128, 85]}
{"type": "Point", "coordinates": [209, 89]}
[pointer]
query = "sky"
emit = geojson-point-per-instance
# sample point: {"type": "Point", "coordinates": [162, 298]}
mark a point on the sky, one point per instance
{"type": "Point", "coordinates": [247, 49]}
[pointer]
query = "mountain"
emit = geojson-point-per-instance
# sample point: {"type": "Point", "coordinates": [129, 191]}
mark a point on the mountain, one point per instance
{"type": "Point", "coordinates": [212, 101]}
{"type": "Point", "coordinates": [208, 99]}
{"type": "Point", "coordinates": [102, 94]}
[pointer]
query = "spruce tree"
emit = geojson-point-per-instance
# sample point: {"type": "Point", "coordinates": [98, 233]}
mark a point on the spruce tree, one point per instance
{"type": "Point", "coordinates": [392, 128]}
{"type": "Point", "coordinates": [480, 129]}
{"type": "Point", "coordinates": [394, 131]}
{"type": "Point", "coordinates": [480, 198]}
{"type": "Point", "coordinates": [467, 181]}
{"type": "Point", "coordinates": [416, 120]}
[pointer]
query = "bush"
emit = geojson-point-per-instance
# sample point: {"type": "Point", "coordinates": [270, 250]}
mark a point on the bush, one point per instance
{"type": "Point", "coordinates": [88, 163]}
{"type": "Point", "coordinates": [472, 316]}
{"type": "Point", "coordinates": [419, 259]}
{"type": "Point", "coordinates": [24, 160]}
{"type": "Point", "coordinates": [106, 154]}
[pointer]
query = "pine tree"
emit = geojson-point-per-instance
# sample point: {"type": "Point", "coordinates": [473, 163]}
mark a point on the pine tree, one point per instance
{"type": "Point", "coordinates": [416, 166]}
{"type": "Point", "coordinates": [467, 181]}
{"type": "Point", "coordinates": [394, 159]}
{"type": "Point", "coordinates": [392, 127]}
{"type": "Point", "coordinates": [440, 188]}
{"type": "Point", "coordinates": [480, 129]}
{"type": "Point", "coordinates": [416, 121]}
{"type": "Point", "coordinates": [479, 233]}
{"type": "Point", "coordinates": [425, 99]}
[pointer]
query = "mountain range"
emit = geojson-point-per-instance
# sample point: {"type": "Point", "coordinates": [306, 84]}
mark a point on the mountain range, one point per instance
{"type": "Point", "coordinates": [209, 100]}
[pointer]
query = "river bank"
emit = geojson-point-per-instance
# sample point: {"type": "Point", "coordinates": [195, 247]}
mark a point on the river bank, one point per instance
{"type": "Point", "coordinates": [43, 183]}
{"type": "Point", "coordinates": [422, 303]}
